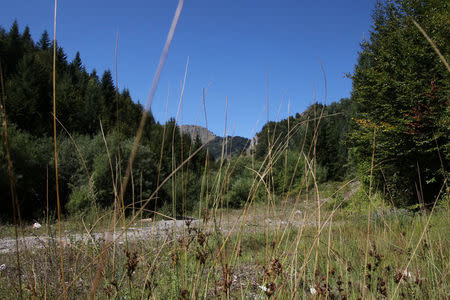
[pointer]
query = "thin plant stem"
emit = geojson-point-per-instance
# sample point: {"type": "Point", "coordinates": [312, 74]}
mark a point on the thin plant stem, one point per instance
{"type": "Point", "coordinates": [58, 202]}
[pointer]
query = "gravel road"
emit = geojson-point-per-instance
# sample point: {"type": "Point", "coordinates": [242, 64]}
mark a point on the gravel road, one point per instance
{"type": "Point", "coordinates": [160, 228]}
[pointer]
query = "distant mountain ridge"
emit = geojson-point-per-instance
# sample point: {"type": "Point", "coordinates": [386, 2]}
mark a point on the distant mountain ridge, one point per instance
{"type": "Point", "coordinates": [233, 145]}
{"type": "Point", "coordinates": [193, 130]}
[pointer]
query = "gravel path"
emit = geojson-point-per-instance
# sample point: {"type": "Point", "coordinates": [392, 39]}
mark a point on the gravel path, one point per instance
{"type": "Point", "coordinates": [160, 228]}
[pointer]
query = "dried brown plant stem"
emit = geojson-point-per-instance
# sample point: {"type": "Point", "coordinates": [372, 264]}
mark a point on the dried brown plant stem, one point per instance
{"type": "Point", "coordinates": [269, 167]}
{"type": "Point", "coordinates": [314, 171]}
{"type": "Point", "coordinates": [205, 170]}
{"type": "Point", "coordinates": [162, 150]}
{"type": "Point", "coordinates": [115, 214]}
{"type": "Point", "coordinates": [363, 288]}
{"type": "Point", "coordinates": [55, 150]}
{"type": "Point", "coordinates": [119, 171]}
{"type": "Point", "coordinates": [222, 156]}
{"type": "Point", "coordinates": [308, 254]}
{"type": "Point", "coordinates": [419, 242]}
{"type": "Point", "coordinates": [435, 48]}
{"type": "Point", "coordinates": [138, 137]}
{"type": "Point", "coordinates": [180, 105]}
{"type": "Point", "coordinates": [152, 94]}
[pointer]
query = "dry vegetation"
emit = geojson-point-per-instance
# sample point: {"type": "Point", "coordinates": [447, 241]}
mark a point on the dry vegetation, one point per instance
{"type": "Point", "coordinates": [319, 241]}
{"type": "Point", "coordinates": [251, 254]}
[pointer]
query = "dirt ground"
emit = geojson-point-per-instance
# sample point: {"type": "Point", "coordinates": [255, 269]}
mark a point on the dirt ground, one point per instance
{"type": "Point", "coordinates": [255, 219]}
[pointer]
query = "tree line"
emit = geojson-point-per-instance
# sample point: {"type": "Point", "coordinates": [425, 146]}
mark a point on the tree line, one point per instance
{"type": "Point", "coordinates": [395, 126]}
{"type": "Point", "coordinates": [92, 162]}
{"type": "Point", "coordinates": [392, 133]}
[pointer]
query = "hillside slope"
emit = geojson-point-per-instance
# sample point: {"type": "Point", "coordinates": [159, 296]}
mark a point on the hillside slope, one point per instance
{"type": "Point", "coordinates": [233, 145]}
{"type": "Point", "coordinates": [193, 130]}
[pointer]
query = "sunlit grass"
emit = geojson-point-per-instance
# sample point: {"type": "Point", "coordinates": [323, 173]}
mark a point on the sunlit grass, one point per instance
{"type": "Point", "coordinates": [337, 240]}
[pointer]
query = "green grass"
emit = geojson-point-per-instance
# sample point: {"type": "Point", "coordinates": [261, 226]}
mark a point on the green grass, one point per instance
{"type": "Point", "coordinates": [335, 240]}
{"type": "Point", "coordinates": [203, 263]}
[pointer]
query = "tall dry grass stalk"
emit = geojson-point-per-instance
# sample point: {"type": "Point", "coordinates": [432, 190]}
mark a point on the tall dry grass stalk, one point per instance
{"type": "Point", "coordinates": [366, 253]}
{"type": "Point", "coordinates": [310, 259]}
{"type": "Point", "coordinates": [430, 41]}
{"type": "Point", "coordinates": [55, 151]}
{"type": "Point", "coordinates": [137, 139]}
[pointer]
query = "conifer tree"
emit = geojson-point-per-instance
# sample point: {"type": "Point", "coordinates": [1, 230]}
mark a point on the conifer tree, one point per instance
{"type": "Point", "coordinates": [109, 105]}
{"type": "Point", "coordinates": [27, 40]}
{"type": "Point", "coordinates": [14, 50]}
{"type": "Point", "coordinates": [44, 42]}
{"type": "Point", "coordinates": [76, 62]}
{"type": "Point", "coordinates": [402, 89]}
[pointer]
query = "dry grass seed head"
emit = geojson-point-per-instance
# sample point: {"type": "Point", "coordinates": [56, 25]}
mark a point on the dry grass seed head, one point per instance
{"type": "Point", "coordinates": [132, 262]}
{"type": "Point", "coordinates": [227, 278]}
{"type": "Point", "coordinates": [184, 294]}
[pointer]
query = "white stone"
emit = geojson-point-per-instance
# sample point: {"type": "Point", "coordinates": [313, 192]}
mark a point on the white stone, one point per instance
{"type": "Point", "coordinates": [263, 288]}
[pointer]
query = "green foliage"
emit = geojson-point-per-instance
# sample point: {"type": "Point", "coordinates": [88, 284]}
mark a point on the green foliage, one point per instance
{"type": "Point", "coordinates": [243, 189]}
{"type": "Point", "coordinates": [401, 89]}
{"type": "Point", "coordinates": [89, 175]}
{"type": "Point", "coordinates": [80, 200]}
{"type": "Point", "coordinates": [288, 172]}
{"type": "Point", "coordinates": [232, 146]}
{"type": "Point", "coordinates": [29, 167]}
{"type": "Point", "coordinates": [360, 202]}
{"type": "Point", "coordinates": [187, 194]}
{"type": "Point", "coordinates": [29, 94]}
{"type": "Point", "coordinates": [81, 98]}
{"type": "Point", "coordinates": [324, 127]}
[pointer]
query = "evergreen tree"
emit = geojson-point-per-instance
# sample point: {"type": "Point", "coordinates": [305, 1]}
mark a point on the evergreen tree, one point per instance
{"type": "Point", "coordinates": [401, 89]}
{"type": "Point", "coordinates": [94, 75]}
{"type": "Point", "coordinates": [44, 42]}
{"type": "Point", "coordinates": [109, 105]}
{"type": "Point", "coordinates": [29, 96]}
{"type": "Point", "coordinates": [61, 60]}
{"type": "Point", "coordinates": [92, 107]}
{"type": "Point", "coordinates": [13, 51]}
{"type": "Point", "coordinates": [76, 62]}
{"type": "Point", "coordinates": [27, 40]}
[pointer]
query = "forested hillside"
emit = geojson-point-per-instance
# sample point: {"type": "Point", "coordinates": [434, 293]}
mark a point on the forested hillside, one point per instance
{"type": "Point", "coordinates": [90, 164]}
{"type": "Point", "coordinates": [392, 134]}
{"type": "Point", "coordinates": [395, 127]}
{"type": "Point", "coordinates": [320, 131]}
{"type": "Point", "coordinates": [232, 145]}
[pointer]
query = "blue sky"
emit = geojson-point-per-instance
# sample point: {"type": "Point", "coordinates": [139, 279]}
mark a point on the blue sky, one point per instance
{"type": "Point", "coordinates": [232, 46]}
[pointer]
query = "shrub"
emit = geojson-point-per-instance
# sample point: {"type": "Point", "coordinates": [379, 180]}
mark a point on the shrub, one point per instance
{"type": "Point", "coordinates": [80, 199]}
{"type": "Point", "coordinates": [242, 189]}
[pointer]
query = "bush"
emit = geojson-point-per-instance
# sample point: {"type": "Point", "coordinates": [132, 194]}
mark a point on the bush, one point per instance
{"type": "Point", "coordinates": [242, 189]}
{"type": "Point", "coordinates": [80, 199]}
{"type": "Point", "coordinates": [30, 158]}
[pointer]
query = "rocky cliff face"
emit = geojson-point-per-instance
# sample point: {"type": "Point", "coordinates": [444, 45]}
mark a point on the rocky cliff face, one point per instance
{"type": "Point", "coordinates": [193, 130]}
{"type": "Point", "coordinates": [253, 144]}
{"type": "Point", "coordinates": [233, 145]}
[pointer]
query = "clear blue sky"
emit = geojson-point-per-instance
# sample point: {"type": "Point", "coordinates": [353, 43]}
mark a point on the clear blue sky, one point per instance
{"type": "Point", "coordinates": [231, 45]}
